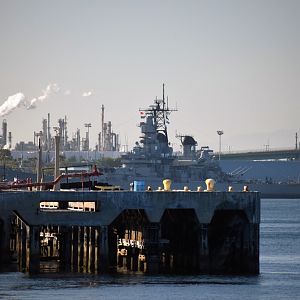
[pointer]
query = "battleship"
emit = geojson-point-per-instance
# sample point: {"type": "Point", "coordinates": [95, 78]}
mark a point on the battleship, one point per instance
{"type": "Point", "coordinates": [152, 160]}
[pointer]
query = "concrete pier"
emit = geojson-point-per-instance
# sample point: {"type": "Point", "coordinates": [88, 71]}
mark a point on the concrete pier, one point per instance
{"type": "Point", "coordinates": [153, 232]}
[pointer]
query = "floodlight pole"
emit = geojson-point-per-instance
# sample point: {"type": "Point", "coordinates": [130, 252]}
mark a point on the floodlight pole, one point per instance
{"type": "Point", "coordinates": [220, 132]}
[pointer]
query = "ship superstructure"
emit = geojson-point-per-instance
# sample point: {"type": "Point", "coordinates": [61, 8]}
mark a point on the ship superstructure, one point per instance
{"type": "Point", "coordinates": [152, 158]}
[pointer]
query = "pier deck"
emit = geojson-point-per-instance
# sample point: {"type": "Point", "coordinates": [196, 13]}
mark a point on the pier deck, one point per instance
{"type": "Point", "coordinates": [171, 232]}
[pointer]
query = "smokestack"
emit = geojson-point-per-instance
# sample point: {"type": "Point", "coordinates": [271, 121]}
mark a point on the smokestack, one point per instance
{"type": "Point", "coordinates": [56, 168]}
{"type": "Point", "coordinates": [39, 163]}
{"type": "Point", "coordinates": [99, 141]}
{"type": "Point", "coordinates": [9, 140]}
{"type": "Point", "coordinates": [104, 137]}
{"type": "Point", "coordinates": [102, 128]}
{"type": "Point", "coordinates": [44, 141]}
{"type": "Point", "coordinates": [114, 142]}
{"type": "Point", "coordinates": [48, 134]}
{"type": "Point", "coordinates": [78, 139]}
{"type": "Point", "coordinates": [4, 132]}
{"type": "Point", "coordinates": [109, 136]}
{"type": "Point", "coordinates": [61, 132]}
{"type": "Point", "coordinates": [65, 134]}
{"type": "Point", "coordinates": [117, 143]}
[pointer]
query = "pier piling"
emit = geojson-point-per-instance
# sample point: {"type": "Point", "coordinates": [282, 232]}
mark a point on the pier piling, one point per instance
{"type": "Point", "coordinates": [158, 232]}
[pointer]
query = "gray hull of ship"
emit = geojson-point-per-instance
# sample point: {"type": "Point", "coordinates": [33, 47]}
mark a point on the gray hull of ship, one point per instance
{"type": "Point", "coordinates": [271, 190]}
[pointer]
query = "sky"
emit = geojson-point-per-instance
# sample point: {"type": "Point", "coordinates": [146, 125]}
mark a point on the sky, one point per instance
{"type": "Point", "coordinates": [229, 65]}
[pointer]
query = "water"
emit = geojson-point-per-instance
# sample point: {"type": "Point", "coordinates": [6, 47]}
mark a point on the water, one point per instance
{"type": "Point", "coordinates": [279, 277]}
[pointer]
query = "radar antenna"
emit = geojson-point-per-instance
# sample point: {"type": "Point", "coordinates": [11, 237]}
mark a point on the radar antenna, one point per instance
{"type": "Point", "coordinates": [160, 112]}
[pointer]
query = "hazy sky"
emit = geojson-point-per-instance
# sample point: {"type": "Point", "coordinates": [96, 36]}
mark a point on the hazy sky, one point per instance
{"type": "Point", "coordinates": [230, 65]}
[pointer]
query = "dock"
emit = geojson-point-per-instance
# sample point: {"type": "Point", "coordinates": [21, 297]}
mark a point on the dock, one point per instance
{"type": "Point", "coordinates": [177, 232]}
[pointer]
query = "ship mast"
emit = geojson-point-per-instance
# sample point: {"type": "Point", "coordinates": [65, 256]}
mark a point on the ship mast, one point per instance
{"type": "Point", "coordinates": [160, 112]}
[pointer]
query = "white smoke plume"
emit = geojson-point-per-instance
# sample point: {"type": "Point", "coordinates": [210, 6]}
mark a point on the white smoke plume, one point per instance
{"type": "Point", "coordinates": [12, 103]}
{"type": "Point", "coordinates": [19, 99]}
{"type": "Point", "coordinates": [87, 94]}
{"type": "Point", "coordinates": [51, 89]}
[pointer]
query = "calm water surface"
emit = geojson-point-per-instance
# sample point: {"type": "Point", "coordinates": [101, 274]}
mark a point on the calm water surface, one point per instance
{"type": "Point", "coordinates": [279, 277]}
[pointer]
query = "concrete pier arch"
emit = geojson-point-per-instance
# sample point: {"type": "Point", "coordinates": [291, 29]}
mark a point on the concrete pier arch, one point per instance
{"type": "Point", "coordinates": [232, 241]}
{"type": "Point", "coordinates": [127, 235]}
{"type": "Point", "coordinates": [180, 229]}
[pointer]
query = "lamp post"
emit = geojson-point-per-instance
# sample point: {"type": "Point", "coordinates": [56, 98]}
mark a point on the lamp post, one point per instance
{"type": "Point", "coordinates": [88, 125]}
{"type": "Point", "coordinates": [220, 132]}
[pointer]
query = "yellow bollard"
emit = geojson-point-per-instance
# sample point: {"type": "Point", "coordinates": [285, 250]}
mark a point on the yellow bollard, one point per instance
{"type": "Point", "coordinates": [186, 188]}
{"type": "Point", "coordinates": [246, 188]}
{"type": "Point", "coordinates": [167, 184]}
{"type": "Point", "coordinates": [199, 189]}
{"type": "Point", "coordinates": [210, 185]}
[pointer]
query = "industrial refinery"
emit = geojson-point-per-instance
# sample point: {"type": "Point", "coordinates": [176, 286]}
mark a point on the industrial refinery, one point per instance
{"type": "Point", "coordinates": [76, 144]}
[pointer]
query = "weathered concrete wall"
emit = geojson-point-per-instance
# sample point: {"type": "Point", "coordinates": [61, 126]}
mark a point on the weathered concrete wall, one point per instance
{"type": "Point", "coordinates": [239, 212]}
{"type": "Point", "coordinates": [111, 204]}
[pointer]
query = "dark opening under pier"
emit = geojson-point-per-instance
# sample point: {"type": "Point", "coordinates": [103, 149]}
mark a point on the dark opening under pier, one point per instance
{"type": "Point", "coordinates": [125, 231]}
